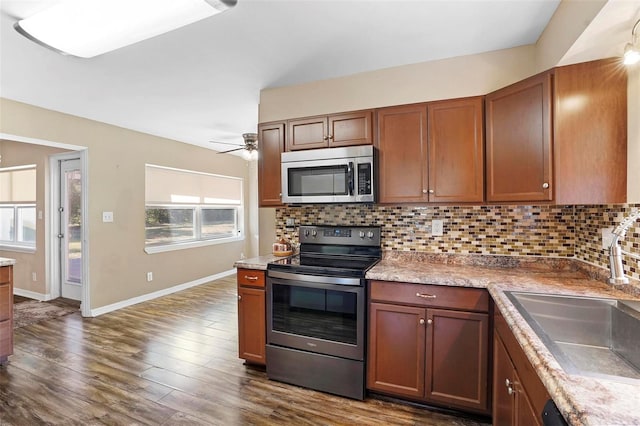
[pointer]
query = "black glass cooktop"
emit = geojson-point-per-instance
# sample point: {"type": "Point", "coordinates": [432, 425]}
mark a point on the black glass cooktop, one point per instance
{"type": "Point", "coordinates": [329, 261]}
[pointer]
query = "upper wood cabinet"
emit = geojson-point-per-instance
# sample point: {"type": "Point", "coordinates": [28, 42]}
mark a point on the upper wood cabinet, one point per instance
{"type": "Point", "coordinates": [519, 166]}
{"type": "Point", "coordinates": [271, 138]}
{"type": "Point", "coordinates": [560, 136]}
{"type": "Point", "coordinates": [431, 152]}
{"type": "Point", "coordinates": [456, 150]}
{"type": "Point", "coordinates": [353, 128]}
{"type": "Point", "coordinates": [590, 133]}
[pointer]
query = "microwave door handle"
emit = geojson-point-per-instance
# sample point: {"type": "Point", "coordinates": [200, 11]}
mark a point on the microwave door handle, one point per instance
{"type": "Point", "coordinates": [351, 183]}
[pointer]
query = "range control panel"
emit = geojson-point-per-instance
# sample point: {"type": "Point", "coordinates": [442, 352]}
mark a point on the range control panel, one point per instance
{"type": "Point", "coordinates": [340, 235]}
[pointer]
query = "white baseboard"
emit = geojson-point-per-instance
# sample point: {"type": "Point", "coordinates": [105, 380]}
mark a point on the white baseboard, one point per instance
{"type": "Point", "coordinates": [150, 296]}
{"type": "Point", "coordinates": [32, 295]}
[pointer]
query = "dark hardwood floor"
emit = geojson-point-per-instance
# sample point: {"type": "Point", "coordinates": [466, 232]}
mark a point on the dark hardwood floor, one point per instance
{"type": "Point", "coordinates": [169, 361]}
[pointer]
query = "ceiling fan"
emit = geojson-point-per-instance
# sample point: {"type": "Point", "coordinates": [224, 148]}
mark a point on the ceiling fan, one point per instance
{"type": "Point", "coordinates": [250, 143]}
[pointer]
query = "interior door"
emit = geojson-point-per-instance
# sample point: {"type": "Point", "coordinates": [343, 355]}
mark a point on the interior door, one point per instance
{"type": "Point", "coordinates": [70, 229]}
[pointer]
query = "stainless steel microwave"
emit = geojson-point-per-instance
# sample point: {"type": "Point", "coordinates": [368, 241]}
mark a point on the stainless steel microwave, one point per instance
{"type": "Point", "coordinates": [332, 175]}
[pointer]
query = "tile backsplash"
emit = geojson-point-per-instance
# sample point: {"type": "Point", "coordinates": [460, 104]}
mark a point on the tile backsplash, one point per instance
{"type": "Point", "coordinates": [552, 231]}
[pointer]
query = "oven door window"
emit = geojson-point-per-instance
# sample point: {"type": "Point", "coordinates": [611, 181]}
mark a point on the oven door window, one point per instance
{"type": "Point", "coordinates": [313, 312]}
{"type": "Point", "coordinates": [320, 180]}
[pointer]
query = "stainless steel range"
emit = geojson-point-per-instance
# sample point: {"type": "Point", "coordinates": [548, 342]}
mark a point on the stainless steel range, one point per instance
{"type": "Point", "coordinates": [316, 310]}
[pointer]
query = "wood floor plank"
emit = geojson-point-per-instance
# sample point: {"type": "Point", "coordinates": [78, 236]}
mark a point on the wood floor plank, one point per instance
{"type": "Point", "coordinates": [169, 361]}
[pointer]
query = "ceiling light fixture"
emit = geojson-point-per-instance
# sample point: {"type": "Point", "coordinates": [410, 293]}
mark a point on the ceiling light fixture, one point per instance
{"type": "Point", "coordinates": [87, 28]}
{"type": "Point", "coordinates": [632, 50]}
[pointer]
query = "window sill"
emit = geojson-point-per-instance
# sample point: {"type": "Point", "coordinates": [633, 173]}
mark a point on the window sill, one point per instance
{"type": "Point", "coordinates": [190, 244]}
{"type": "Point", "coordinates": [19, 249]}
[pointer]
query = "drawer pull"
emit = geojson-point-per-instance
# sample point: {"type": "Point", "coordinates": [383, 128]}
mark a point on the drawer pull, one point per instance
{"type": "Point", "coordinates": [426, 296]}
{"type": "Point", "coordinates": [248, 278]}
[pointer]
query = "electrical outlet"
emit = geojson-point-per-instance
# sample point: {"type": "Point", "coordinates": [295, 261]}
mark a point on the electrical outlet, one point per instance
{"type": "Point", "coordinates": [107, 217]}
{"type": "Point", "coordinates": [291, 222]}
{"type": "Point", "coordinates": [607, 237]}
{"type": "Point", "coordinates": [34, 276]}
{"type": "Point", "coordinates": [437, 227]}
{"type": "Point", "coordinates": [149, 276]}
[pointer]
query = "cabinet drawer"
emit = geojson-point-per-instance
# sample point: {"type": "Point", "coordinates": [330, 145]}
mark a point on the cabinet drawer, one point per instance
{"type": "Point", "coordinates": [5, 274]}
{"type": "Point", "coordinates": [251, 277]}
{"type": "Point", "coordinates": [470, 299]}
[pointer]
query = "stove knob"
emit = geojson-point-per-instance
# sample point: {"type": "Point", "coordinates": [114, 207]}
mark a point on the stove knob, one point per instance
{"type": "Point", "coordinates": [361, 234]}
{"type": "Point", "coordinates": [306, 232]}
{"type": "Point", "coordinates": [370, 235]}
{"type": "Point", "coordinates": [314, 233]}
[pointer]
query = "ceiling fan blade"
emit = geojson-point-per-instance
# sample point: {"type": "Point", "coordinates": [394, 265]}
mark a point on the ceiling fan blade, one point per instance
{"type": "Point", "coordinates": [237, 149]}
{"type": "Point", "coordinates": [227, 143]}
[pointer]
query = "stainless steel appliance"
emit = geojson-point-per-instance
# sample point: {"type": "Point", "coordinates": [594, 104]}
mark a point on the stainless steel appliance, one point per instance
{"type": "Point", "coordinates": [332, 175]}
{"type": "Point", "coordinates": [316, 310]}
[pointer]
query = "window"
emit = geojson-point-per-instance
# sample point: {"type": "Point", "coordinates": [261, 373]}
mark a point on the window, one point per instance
{"type": "Point", "coordinates": [186, 209]}
{"type": "Point", "coordinates": [18, 207]}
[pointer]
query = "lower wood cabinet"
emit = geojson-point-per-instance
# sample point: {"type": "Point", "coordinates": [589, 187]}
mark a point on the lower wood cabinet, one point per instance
{"type": "Point", "coordinates": [518, 394]}
{"type": "Point", "coordinates": [430, 344]}
{"type": "Point", "coordinates": [6, 313]}
{"type": "Point", "coordinates": [251, 316]}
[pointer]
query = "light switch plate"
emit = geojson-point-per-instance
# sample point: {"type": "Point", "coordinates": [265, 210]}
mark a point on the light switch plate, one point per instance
{"type": "Point", "coordinates": [107, 217]}
{"type": "Point", "coordinates": [437, 227]}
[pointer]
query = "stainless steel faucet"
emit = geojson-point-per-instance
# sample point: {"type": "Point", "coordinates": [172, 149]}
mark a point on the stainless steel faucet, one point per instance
{"type": "Point", "coordinates": [616, 252]}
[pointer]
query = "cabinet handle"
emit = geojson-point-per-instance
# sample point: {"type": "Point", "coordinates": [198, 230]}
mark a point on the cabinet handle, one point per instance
{"type": "Point", "coordinates": [239, 297]}
{"type": "Point", "coordinates": [248, 278]}
{"type": "Point", "coordinates": [431, 191]}
{"type": "Point", "coordinates": [424, 191]}
{"type": "Point", "coordinates": [421, 321]}
{"type": "Point", "coordinates": [326, 138]}
{"type": "Point", "coordinates": [510, 390]}
{"type": "Point", "coordinates": [429, 321]}
{"type": "Point", "coordinates": [426, 296]}
{"type": "Point", "coordinates": [330, 136]}
{"type": "Point", "coordinates": [545, 185]}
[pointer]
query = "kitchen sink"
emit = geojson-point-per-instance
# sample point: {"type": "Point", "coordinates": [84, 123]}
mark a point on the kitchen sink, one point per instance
{"type": "Point", "coordinates": [587, 336]}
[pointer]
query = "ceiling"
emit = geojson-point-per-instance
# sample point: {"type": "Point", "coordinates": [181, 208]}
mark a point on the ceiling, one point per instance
{"type": "Point", "coordinates": [202, 82]}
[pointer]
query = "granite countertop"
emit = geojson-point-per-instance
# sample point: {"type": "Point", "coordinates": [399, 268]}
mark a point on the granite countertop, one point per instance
{"type": "Point", "coordinates": [582, 400]}
{"type": "Point", "coordinates": [259, 263]}
{"type": "Point", "coordinates": [5, 261]}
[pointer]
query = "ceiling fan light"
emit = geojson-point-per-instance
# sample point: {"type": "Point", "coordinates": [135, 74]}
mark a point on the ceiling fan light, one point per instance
{"type": "Point", "coordinates": [87, 28]}
{"type": "Point", "coordinates": [631, 54]}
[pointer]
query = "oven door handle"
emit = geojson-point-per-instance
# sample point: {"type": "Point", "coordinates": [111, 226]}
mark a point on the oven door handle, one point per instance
{"type": "Point", "coordinates": [315, 278]}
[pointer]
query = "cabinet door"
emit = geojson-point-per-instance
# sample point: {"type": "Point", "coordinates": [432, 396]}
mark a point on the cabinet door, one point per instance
{"type": "Point", "coordinates": [457, 354]}
{"type": "Point", "coordinates": [402, 143]}
{"type": "Point", "coordinates": [353, 128]}
{"type": "Point", "coordinates": [396, 350]}
{"type": "Point", "coordinates": [503, 387]}
{"type": "Point", "coordinates": [518, 123]}
{"type": "Point", "coordinates": [456, 150]}
{"type": "Point", "coordinates": [270, 146]}
{"type": "Point", "coordinates": [307, 133]}
{"type": "Point", "coordinates": [590, 136]}
{"type": "Point", "coordinates": [525, 414]}
{"type": "Point", "coordinates": [252, 324]}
